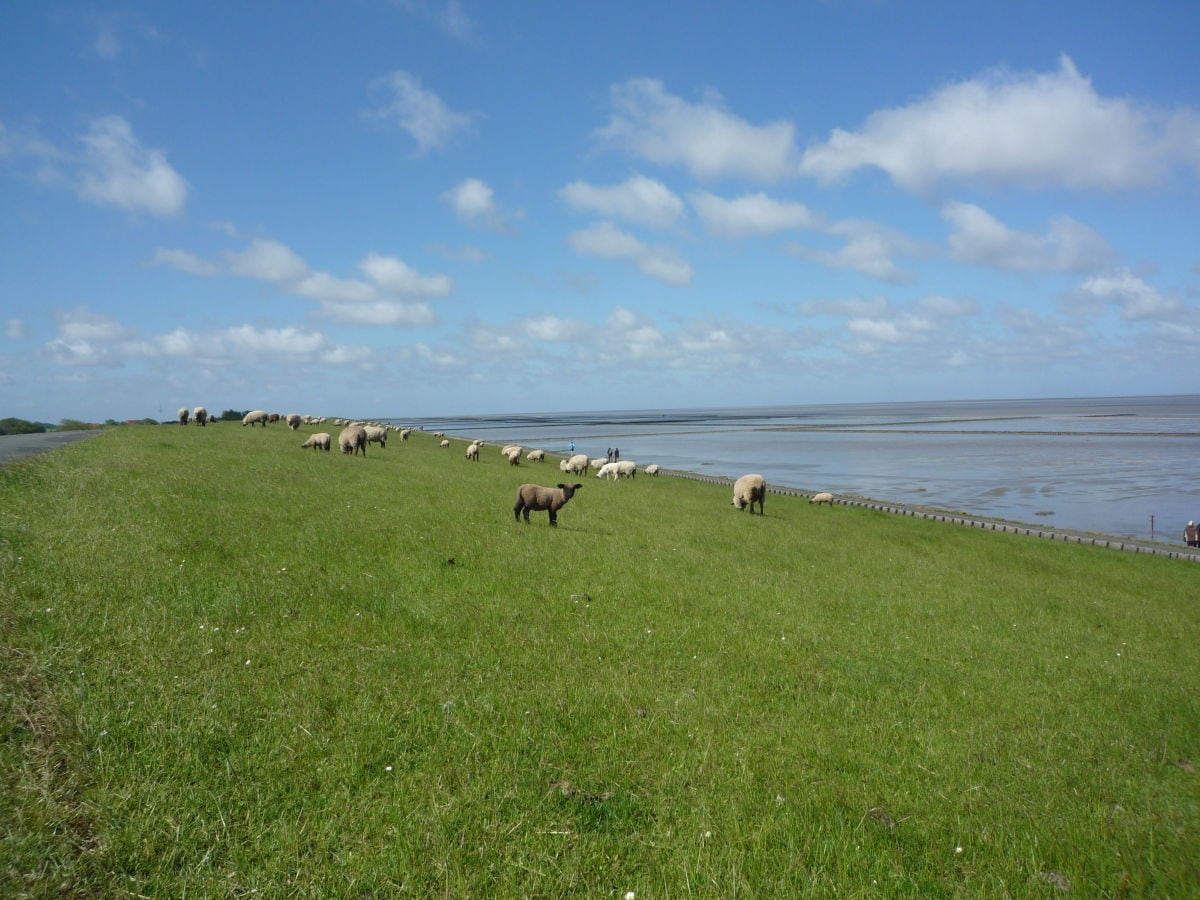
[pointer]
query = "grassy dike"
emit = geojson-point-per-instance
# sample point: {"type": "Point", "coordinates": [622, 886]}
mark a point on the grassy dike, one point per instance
{"type": "Point", "coordinates": [230, 666]}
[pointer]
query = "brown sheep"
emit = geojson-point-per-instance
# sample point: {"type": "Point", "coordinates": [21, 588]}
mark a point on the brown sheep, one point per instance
{"type": "Point", "coordinates": [535, 497]}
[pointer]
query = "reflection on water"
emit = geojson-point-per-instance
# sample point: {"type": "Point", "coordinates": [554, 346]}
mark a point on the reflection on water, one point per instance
{"type": "Point", "coordinates": [1096, 464]}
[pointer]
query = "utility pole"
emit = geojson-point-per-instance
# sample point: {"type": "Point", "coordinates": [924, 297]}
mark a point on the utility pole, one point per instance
{"type": "Point", "coordinates": [1152, 528]}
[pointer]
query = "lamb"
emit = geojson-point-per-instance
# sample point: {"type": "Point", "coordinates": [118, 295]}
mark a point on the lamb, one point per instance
{"type": "Point", "coordinates": [536, 456]}
{"type": "Point", "coordinates": [318, 441]}
{"type": "Point", "coordinates": [506, 450]}
{"type": "Point", "coordinates": [514, 456]}
{"type": "Point", "coordinates": [473, 452]}
{"type": "Point", "coordinates": [627, 468]}
{"type": "Point", "coordinates": [823, 497]}
{"type": "Point", "coordinates": [750, 489]}
{"type": "Point", "coordinates": [444, 443]}
{"type": "Point", "coordinates": [651, 469]}
{"type": "Point", "coordinates": [535, 497]}
{"type": "Point", "coordinates": [183, 415]}
{"type": "Point", "coordinates": [200, 414]}
{"type": "Point", "coordinates": [376, 435]}
{"type": "Point", "coordinates": [608, 470]}
{"type": "Point", "coordinates": [293, 420]}
{"type": "Point", "coordinates": [577, 464]}
{"type": "Point", "coordinates": [255, 415]}
{"type": "Point", "coordinates": [352, 439]}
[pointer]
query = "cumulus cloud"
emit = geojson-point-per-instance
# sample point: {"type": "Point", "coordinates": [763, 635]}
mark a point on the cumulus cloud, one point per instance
{"type": "Point", "coordinates": [184, 262]}
{"type": "Point", "coordinates": [267, 260]}
{"type": "Point", "coordinates": [474, 202]}
{"type": "Point", "coordinates": [606, 240]}
{"type": "Point", "coordinates": [404, 103]}
{"type": "Point", "coordinates": [553, 329]}
{"type": "Point", "coordinates": [448, 15]}
{"type": "Point", "coordinates": [637, 199]}
{"type": "Point", "coordinates": [750, 215]}
{"type": "Point", "coordinates": [876, 322]}
{"type": "Point", "coordinates": [1134, 299]}
{"type": "Point", "coordinates": [981, 239]}
{"type": "Point", "coordinates": [1035, 130]}
{"type": "Point", "coordinates": [116, 170]}
{"type": "Point", "coordinates": [705, 138]}
{"type": "Point", "coordinates": [869, 249]}
{"type": "Point", "coordinates": [14, 329]}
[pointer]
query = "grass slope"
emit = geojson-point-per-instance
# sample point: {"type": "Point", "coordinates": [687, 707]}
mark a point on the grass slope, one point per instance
{"type": "Point", "coordinates": [233, 667]}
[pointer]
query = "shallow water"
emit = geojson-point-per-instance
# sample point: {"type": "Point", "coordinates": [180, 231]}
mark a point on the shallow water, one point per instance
{"type": "Point", "coordinates": [1097, 464]}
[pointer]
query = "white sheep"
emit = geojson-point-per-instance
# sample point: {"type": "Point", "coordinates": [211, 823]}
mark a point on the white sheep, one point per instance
{"type": "Point", "coordinates": [514, 456]}
{"type": "Point", "coordinates": [404, 433]}
{"type": "Point", "coordinates": [598, 463]}
{"type": "Point", "coordinates": [577, 464]}
{"type": "Point", "coordinates": [376, 435]}
{"type": "Point", "coordinates": [608, 470]}
{"type": "Point", "coordinates": [318, 441]}
{"type": "Point", "coordinates": [444, 443]}
{"type": "Point", "coordinates": [748, 490]}
{"type": "Point", "coordinates": [183, 415]}
{"type": "Point", "coordinates": [200, 414]}
{"type": "Point", "coordinates": [473, 452]}
{"type": "Point", "coordinates": [627, 468]}
{"type": "Point", "coordinates": [536, 456]}
{"type": "Point", "coordinates": [651, 469]}
{"type": "Point", "coordinates": [823, 497]}
{"type": "Point", "coordinates": [535, 497]}
{"type": "Point", "coordinates": [293, 420]}
{"type": "Point", "coordinates": [353, 439]}
{"type": "Point", "coordinates": [253, 417]}
{"type": "Point", "coordinates": [506, 450]}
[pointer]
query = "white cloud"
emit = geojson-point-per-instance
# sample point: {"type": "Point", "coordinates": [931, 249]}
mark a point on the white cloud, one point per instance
{"type": "Point", "coordinates": [750, 215]}
{"type": "Point", "coordinates": [981, 239]}
{"type": "Point", "coordinates": [117, 170]}
{"type": "Point", "coordinates": [637, 199]}
{"type": "Point", "coordinates": [14, 329]}
{"type": "Point", "coordinates": [380, 312]}
{"type": "Point", "coordinates": [267, 260]}
{"type": "Point", "coordinates": [448, 15]}
{"type": "Point", "coordinates": [869, 249]}
{"type": "Point", "coordinates": [606, 240]}
{"type": "Point", "coordinates": [422, 113]}
{"type": "Point", "coordinates": [553, 329]}
{"type": "Point", "coordinates": [704, 137]}
{"type": "Point", "coordinates": [474, 202]}
{"type": "Point", "coordinates": [184, 262]}
{"type": "Point", "coordinates": [1135, 299]}
{"type": "Point", "coordinates": [394, 276]}
{"type": "Point", "coordinates": [1036, 130]}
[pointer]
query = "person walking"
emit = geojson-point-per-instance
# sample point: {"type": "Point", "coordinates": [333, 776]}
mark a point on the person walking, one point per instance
{"type": "Point", "coordinates": [1191, 535]}
{"type": "Point", "coordinates": [571, 446]}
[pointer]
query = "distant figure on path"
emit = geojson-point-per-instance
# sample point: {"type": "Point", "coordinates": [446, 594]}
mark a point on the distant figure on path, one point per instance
{"type": "Point", "coordinates": [1191, 535]}
{"type": "Point", "coordinates": [610, 454]}
{"type": "Point", "coordinates": [571, 446]}
{"type": "Point", "coordinates": [616, 454]}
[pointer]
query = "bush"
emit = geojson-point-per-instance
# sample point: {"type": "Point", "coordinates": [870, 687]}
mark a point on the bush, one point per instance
{"type": "Point", "coordinates": [20, 426]}
{"type": "Point", "coordinates": [232, 415]}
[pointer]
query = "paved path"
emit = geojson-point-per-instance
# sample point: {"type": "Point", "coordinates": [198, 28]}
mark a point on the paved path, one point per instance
{"type": "Point", "coordinates": [19, 446]}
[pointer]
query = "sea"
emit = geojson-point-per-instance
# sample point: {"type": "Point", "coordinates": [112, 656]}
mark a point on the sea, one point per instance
{"type": "Point", "coordinates": [1120, 466]}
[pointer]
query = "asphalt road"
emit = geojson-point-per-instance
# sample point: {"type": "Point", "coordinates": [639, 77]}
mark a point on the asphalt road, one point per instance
{"type": "Point", "coordinates": [19, 446]}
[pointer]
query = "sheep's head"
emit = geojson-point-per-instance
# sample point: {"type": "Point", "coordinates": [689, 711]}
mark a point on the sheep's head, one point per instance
{"type": "Point", "coordinates": [568, 490]}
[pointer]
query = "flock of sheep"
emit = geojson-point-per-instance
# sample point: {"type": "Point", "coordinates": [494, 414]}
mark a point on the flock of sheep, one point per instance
{"type": "Point", "coordinates": [355, 436]}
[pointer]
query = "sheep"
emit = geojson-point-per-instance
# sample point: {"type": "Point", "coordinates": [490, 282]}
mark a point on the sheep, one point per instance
{"type": "Point", "coordinates": [651, 469]}
{"type": "Point", "coordinates": [598, 462]}
{"type": "Point", "coordinates": [318, 441]}
{"type": "Point", "coordinates": [273, 417]}
{"type": "Point", "coordinates": [823, 497]}
{"type": "Point", "coordinates": [627, 468]}
{"type": "Point", "coordinates": [536, 456]}
{"type": "Point", "coordinates": [564, 464]}
{"type": "Point", "coordinates": [255, 415]}
{"type": "Point", "coordinates": [352, 439]}
{"type": "Point", "coordinates": [200, 414]}
{"type": "Point", "coordinates": [608, 470]}
{"type": "Point", "coordinates": [506, 450]}
{"type": "Point", "coordinates": [293, 420]}
{"type": "Point", "coordinates": [750, 489]}
{"type": "Point", "coordinates": [535, 497]}
{"type": "Point", "coordinates": [376, 435]}
{"type": "Point", "coordinates": [577, 464]}
{"type": "Point", "coordinates": [514, 456]}
{"type": "Point", "coordinates": [473, 452]}
{"type": "Point", "coordinates": [404, 433]}
{"type": "Point", "coordinates": [444, 444]}
{"type": "Point", "coordinates": [183, 415]}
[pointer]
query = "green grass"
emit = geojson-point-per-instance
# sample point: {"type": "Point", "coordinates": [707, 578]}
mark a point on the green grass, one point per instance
{"type": "Point", "coordinates": [230, 666]}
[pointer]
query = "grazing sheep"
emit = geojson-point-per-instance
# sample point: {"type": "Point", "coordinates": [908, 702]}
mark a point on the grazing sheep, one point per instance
{"type": "Point", "coordinates": [627, 468]}
{"type": "Point", "coordinates": [473, 452]}
{"type": "Point", "coordinates": [444, 444]}
{"type": "Point", "coordinates": [404, 433]}
{"type": "Point", "coordinates": [183, 415]}
{"type": "Point", "coordinates": [564, 464]}
{"type": "Point", "coordinates": [535, 497]}
{"type": "Point", "coordinates": [577, 464]}
{"type": "Point", "coordinates": [506, 450]}
{"type": "Point", "coordinates": [352, 439]}
{"type": "Point", "coordinates": [823, 497]}
{"type": "Point", "coordinates": [273, 417]}
{"type": "Point", "coordinates": [293, 420]}
{"type": "Point", "coordinates": [597, 463]}
{"type": "Point", "coordinates": [536, 456]}
{"type": "Point", "coordinates": [318, 441]}
{"type": "Point", "coordinates": [376, 435]}
{"type": "Point", "coordinates": [514, 456]}
{"type": "Point", "coordinates": [608, 470]}
{"type": "Point", "coordinates": [748, 490]}
{"type": "Point", "coordinates": [254, 416]}
{"type": "Point", "coordinates": [200, 414]}
{"type": "Point", "coordinates": [651, 469]}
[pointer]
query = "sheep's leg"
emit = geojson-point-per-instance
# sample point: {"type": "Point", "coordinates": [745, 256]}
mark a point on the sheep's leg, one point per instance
{"type": "Point", "coordinates": [553, 519]}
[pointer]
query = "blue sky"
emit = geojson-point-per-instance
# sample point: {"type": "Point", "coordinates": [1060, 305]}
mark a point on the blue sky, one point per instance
{"type": "Point", "coordinates": [420, 207]}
